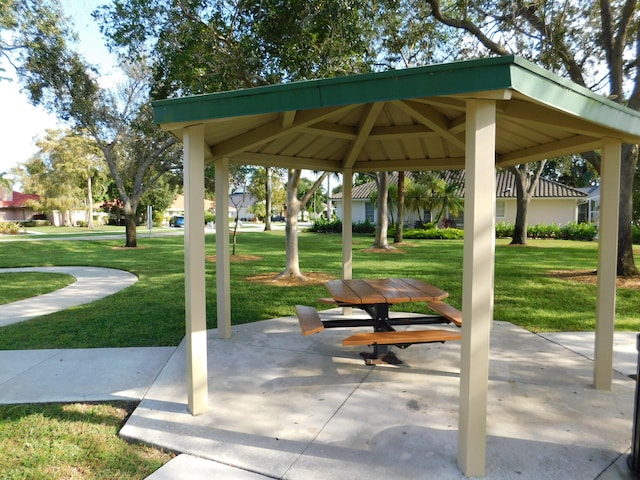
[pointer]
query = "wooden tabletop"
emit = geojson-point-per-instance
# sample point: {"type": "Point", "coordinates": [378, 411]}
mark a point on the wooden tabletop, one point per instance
{"type": "Point", "coordinates": [383, 290]}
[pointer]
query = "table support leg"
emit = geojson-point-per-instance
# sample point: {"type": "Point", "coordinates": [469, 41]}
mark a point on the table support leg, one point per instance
{"type": "Point", "coordinates": [381, 354]}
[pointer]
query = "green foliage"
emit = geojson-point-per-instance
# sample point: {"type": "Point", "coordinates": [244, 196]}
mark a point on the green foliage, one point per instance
{"type": "Point", "coordinates": [9, 228]}
{"type": "Point", "coordinates": [504, 230]}
{"type": "Point", "coordinates": [434, 234]}
{"type": "Point", "coordinates": [364, 227]}
{"type": "Point", "coordinates": [544, 231]}
{"type": "Point", "coordinates": [209, 217]}
{"type": "Point", "coordinates": [635, 231]}
{"type": "Point", "coordinates": [579, 231]}
{"type": "Point", "coordinates": [35, 223]}
{"type": "Point", "coordinates": [206, 47]}
{"type": "Point", "coordinates": [571, 231]}
{"type": "Point", "coordinates": [322, 225]}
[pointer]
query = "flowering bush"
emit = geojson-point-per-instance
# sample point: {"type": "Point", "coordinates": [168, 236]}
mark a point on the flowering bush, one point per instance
{"type": "Point", "coordinates": [9, 228]}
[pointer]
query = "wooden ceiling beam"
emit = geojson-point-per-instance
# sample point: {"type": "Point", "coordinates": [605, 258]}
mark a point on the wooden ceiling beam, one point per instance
{"type": "Point", "coordinates": [272, 130]}
{"type": "Point", "coordinates": [566, 146]}
{"type": "Point", "coordinates": [369, 118]}
{"type": "Point", "coordinates": [399, 165]}
{"type": "Point", "coordinates": [431, 118]}
{"type": "Point", "coordinates": [285, 161]}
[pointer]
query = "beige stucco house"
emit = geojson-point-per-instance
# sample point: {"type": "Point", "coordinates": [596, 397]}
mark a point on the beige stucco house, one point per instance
{"type": "Point", "coordinates": [552, 202]}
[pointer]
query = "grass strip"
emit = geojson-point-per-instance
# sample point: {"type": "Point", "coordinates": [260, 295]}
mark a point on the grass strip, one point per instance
{"type": "Point", "coordinates": [71, 441]}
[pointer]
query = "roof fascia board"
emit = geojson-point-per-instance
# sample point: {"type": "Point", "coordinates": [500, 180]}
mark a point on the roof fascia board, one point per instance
{"type": "Point", "coordinates": [562, 94]}
{"type": "Point", "coordinates": [433, 80]}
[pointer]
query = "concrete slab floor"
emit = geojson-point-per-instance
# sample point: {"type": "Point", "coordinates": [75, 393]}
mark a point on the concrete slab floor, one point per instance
{"type": "Point", "coordinates": [294, 407]}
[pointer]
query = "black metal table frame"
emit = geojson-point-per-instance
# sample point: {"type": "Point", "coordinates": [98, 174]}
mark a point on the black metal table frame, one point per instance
{"type": "Point", "coordinates": [381, 322]}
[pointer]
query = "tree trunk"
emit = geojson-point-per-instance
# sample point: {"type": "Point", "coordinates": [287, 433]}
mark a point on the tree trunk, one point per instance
{"type": "Point", "coordinates": [235, 233]}
{"type": "Point", "coordinates": [130, 225]}
{"type": "Point", "coordinates": [626, 266]}
{"type": "Point", "coordinates": [294, 205]}
{"type": "Point", "coordinates": [382, 224]}
{"type": "Point", "coordinates": [292, 268]}
{"type": "Point", "coordinates": [267, 200]}
{"type": "Point", "coordinates": [526, 183]}
{"type": "Point", "coordinates": [401, 194]}
{"type": "Point", "coordinates": [90, 224]}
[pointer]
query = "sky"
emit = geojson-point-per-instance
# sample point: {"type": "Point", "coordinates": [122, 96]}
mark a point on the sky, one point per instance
{"type": "Point", "coordinates": [21, 122]}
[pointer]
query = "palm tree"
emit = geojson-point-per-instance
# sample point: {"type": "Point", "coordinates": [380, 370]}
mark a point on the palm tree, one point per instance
{"type": "Point", "coordinates": [447, 201]}
{"type": "Point", "coordinates": [418, 199]}
{"type": "Point", "coordinates": [6, 183]}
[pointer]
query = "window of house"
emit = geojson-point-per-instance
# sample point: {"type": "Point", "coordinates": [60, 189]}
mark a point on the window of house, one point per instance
{"type": "Point", "coordinates": [369, 213]}
{"type": "Point", "coordinates": [501, 210]}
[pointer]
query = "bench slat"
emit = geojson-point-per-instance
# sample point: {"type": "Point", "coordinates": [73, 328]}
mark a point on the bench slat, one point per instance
{"type": "Point", "coordinates": [447, 311]}
{"type": "Point", "coordinates": [309, 320]}
{"type": "Point", "coordinates": [395, 337]}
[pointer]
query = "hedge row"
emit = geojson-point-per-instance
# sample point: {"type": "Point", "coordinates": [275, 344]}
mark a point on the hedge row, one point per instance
{"type": "Point", "coordinates": [321, 225]}
{"type": "Point", "coordinates": [571, 231]}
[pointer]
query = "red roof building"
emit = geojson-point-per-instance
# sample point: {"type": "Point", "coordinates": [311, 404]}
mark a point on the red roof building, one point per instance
{"type": "Point", "coordinates": [13, 208]}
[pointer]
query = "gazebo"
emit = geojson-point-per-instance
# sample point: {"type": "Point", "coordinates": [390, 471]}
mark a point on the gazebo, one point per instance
{"type": "Point", "coordinates": [477, 115]}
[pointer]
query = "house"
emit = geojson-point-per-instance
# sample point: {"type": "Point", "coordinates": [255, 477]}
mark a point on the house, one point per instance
{"type": "Point", "coordinates": [177, 207]}
{"type": "Point", "coordinates": [590, 210]}
{"type": "Point", "coordinates": [14, 206]}
{"type": "Point", "coordinates": [239, 204]}
{"type": "Point", "coordinates": [552, 202]}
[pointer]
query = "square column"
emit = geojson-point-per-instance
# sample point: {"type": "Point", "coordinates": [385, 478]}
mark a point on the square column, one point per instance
{"type": "Point", "coordinates": [223, 276]}
{"type": "Point", "coordinates": [194, 270]}
{"type": "Point", "coordinates": [607, 264]}
{"type": "Point", "coordinates": [477, 284]}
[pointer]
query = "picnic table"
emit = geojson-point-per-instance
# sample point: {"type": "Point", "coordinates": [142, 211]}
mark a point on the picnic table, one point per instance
{"type": "Point", "coordinates": [375, 296]}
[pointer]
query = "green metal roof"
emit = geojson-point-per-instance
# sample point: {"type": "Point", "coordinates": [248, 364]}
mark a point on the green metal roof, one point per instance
{"type": "Point", "coordinates": [539, 114]}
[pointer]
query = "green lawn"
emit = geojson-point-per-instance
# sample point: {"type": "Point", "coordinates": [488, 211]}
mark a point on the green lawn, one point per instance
{"type": "Point", "coordinates": [79, 441]}
{"type": "Point", "coordinates": [71, 441]}
{"type": "Point", "coordinates": [20, 285]}
{"type": "Point", "coordinates": [151, 312]}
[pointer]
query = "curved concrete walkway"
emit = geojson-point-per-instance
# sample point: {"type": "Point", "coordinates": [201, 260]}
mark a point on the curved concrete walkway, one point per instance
{"type": "Point", "coordinates": [92, 283]}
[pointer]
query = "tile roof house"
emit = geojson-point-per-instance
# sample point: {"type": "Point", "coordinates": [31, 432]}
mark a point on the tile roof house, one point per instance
{"type": "Point", "coordinates": [14, 206]}
{"type": "Point", "coordinates": [552, 202]}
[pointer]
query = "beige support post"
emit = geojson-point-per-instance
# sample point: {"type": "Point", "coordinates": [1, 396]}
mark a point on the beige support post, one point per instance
{"type": "Point", "coordinates": [477, 285]}
{"type": "Point", "coordinates": [194, 270]}
{"type": "Point", "coordinates": [607, 265]}
{"type": "Point", "coordinates": [223, 277]}
{"type": "Point", "coordinates": [347, 231]}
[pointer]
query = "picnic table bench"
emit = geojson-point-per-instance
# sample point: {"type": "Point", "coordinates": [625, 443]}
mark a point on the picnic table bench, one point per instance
{"type": "Point", "coordinates": [374, 297]}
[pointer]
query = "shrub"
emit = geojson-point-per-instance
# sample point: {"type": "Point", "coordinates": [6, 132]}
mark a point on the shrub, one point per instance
{"type": "Point", "coordinates": [434, 234]}
{"type": "Point", "coordinates": [321, 225]}
{"type": "Point", "coordinates": [579, 231]}
{"type": "Point", "coordinates": [364, 227]}
{"type": "Point", "coordinates": [35, 223]}
{"type": "Point", "coordinates": [9, 228]}
{"type": "Point", "coordinates": [543, 231]}
{"type": "Point", "coordinates": [635, 231]}
{"type": "Point", "coordinates": [209, 217]}
{"type": "Point", "coordinates": [504, 230]}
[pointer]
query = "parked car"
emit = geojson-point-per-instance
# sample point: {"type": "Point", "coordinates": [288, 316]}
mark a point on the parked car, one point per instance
{"type": "Point", "coordinates": [177, 221]}
{"type": "Point", "coordinates": [277, 218]}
